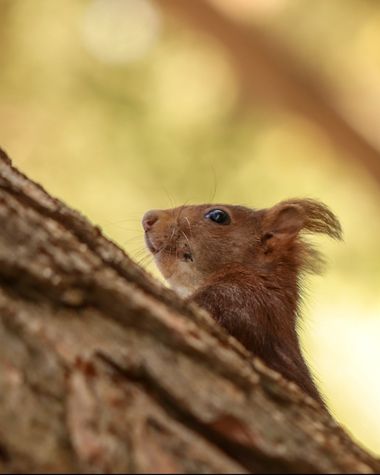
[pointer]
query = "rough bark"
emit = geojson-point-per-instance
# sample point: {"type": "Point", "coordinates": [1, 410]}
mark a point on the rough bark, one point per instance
{"type": "Point", "coordinates": [104, 370]}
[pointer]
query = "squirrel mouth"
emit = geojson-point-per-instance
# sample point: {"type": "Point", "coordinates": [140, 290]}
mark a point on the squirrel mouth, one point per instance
{"type": "Point", "coordinates": [152, 248]}
{"type": "Point", "coordinates": [186, 255]}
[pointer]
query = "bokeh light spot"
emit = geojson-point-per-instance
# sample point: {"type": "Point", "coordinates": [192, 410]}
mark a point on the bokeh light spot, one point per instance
{"type": "Point", "coordinates": [120, 31]}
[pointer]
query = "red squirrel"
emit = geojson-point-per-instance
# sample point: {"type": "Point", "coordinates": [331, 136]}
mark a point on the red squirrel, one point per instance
{"type": "Point", "coordinates": [245, 267]}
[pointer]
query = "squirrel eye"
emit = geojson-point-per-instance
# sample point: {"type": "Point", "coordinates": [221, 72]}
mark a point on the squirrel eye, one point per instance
{"type": "Point", "coordinates": [218, 216]}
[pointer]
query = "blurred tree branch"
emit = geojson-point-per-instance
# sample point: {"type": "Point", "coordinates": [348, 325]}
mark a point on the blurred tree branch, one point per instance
{"type": "Point", "coordinates": [268, 73]}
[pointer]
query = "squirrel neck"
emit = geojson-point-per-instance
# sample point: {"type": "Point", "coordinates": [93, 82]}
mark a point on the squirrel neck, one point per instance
{"type": "Point", "coordinates": [259, 307]}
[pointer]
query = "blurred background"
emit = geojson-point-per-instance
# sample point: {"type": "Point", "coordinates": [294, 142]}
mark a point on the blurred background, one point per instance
{"type": "Point", "coordinates": [119, 106]}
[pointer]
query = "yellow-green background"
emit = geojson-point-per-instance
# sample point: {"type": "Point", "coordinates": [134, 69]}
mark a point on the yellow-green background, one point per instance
{"type": "Point", "coordinates": [116, 110]}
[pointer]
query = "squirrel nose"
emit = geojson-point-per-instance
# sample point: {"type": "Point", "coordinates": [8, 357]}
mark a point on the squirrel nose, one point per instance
{"type": "Point", "coordinates": [149, 219]}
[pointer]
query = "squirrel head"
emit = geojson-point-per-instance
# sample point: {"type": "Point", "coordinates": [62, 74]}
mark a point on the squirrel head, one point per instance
{"type": "Point", "coordinates": [191, 243]}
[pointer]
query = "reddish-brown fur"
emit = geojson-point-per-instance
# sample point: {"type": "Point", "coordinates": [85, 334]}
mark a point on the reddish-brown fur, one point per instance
{"type": "Point", "coordinates": [247, 273]}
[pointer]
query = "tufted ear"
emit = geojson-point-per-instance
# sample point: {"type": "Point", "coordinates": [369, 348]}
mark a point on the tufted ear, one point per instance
{"type": "Point", "coordinates": [287, 219]}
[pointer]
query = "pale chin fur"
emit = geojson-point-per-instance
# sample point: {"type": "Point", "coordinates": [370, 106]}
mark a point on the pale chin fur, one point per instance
{"type": "Point", "coordinates": [183, 291]}
{"type": "Point", "coordinates": [184, 280]}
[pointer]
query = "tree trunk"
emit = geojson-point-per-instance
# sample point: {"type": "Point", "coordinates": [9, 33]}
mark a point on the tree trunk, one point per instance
{"type": "Point", "coordinates": [102, 369]}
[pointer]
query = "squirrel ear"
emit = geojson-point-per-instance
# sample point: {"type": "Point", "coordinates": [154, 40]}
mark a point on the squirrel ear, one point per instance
{"type": "Point", "coordinates": [285, 219]}
{"type": "Point", "coordinates": [288, 218]}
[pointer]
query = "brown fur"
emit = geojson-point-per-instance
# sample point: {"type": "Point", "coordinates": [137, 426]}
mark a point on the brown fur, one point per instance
{"type": "Point", "coordinates": [246, 273]}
